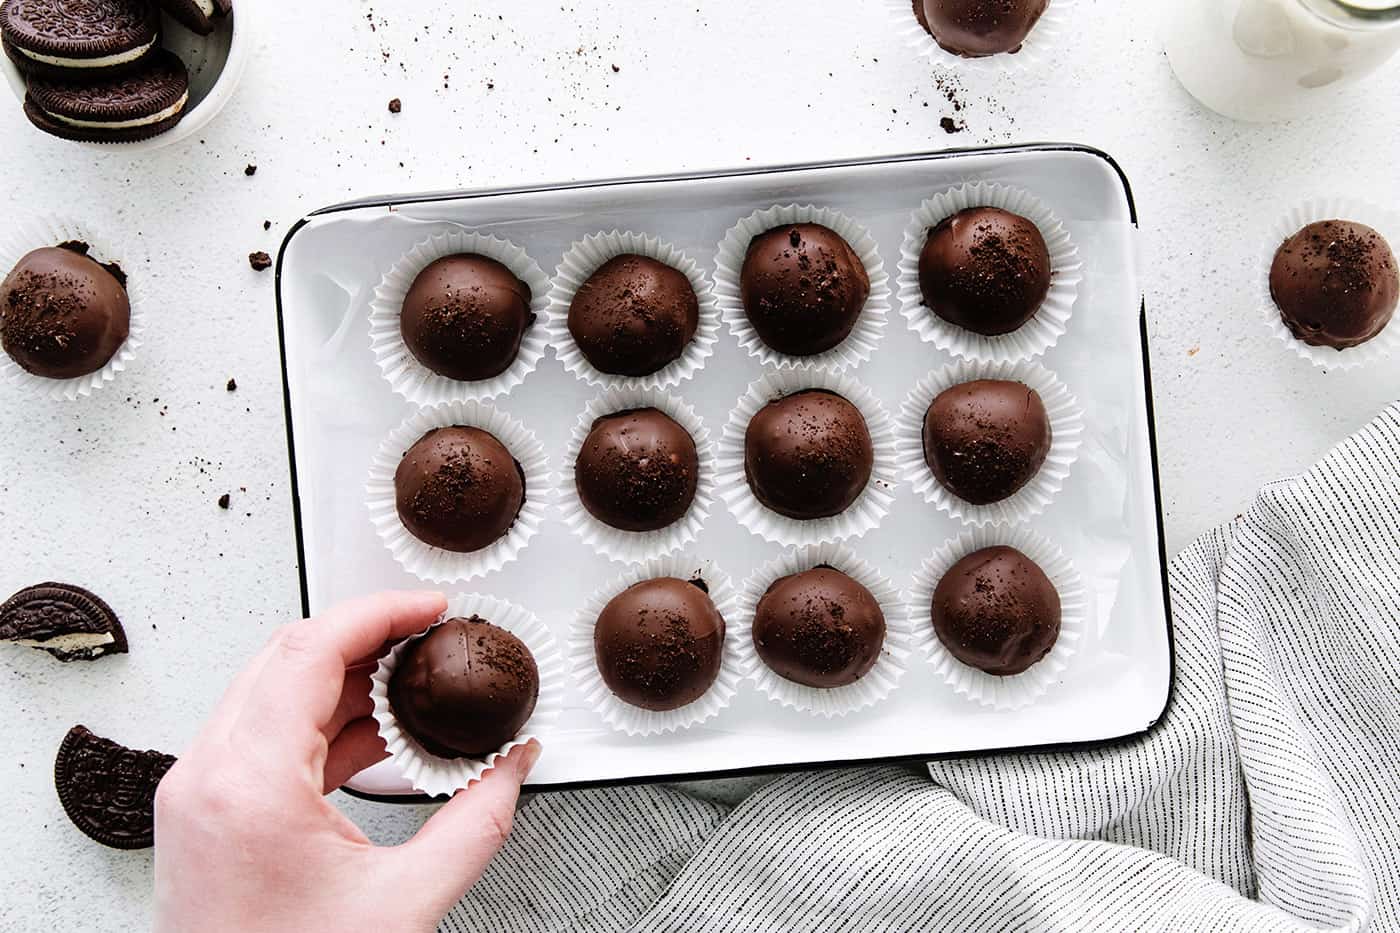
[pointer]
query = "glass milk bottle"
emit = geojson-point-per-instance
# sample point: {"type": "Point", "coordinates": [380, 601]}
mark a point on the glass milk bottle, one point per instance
{"type": "Point", "coordinates": [1266, 60]}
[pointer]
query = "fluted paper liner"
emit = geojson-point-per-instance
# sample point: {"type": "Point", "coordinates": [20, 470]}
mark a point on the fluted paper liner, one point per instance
{"type": "Point", "coordinates": [633, 546]}
{"type": "Point", "coordinates": [436, 776]}
{"type": "Point", "coordinates": [581, 261]}
{"type": "Point", "coordinates": [1034, 337]}
{"type": "Point", "coordinates": [433, 564]}
{"type": "Point", "coordinates": [863, 515]}
{"type": "Point", "coordinates": [878, 683]}
{"type": "Point", "coordinates": [632, 720]}
{"type": "Point", "coordinates": [36, 232]}
{"type": "Point", "coordinates": [1045, 40]}
{"type": "Point", "coordinates": [860, 344]}
{"type": "Point", "coordinates": [1018, 690]}
{"type": "Point", "coordinates": [1066, 428]}
{"type": "Point", "coordinates": [1383, 221]}
{"type": "Point", "coordinates": [410, 378]}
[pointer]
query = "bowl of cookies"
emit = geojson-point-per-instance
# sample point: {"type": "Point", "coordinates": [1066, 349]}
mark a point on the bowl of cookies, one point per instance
{"type": "Point", "coordinates": [130, 74]}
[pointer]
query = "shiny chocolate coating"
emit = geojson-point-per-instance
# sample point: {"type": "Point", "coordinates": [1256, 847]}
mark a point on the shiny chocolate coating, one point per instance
{"type": "Point", "coordinates": [459, 489]}
{"type": "Point", "coordinates": [987, 439]}
{"type": "Point", "coordinates": [803, 288]}
{"type": "Point", "coordinates": [978, 28]}
{"type": "Point", "coordinates": [819, 628]}
{"type": "Point", "coordinates": [465, 316]}
{"type": "Point", "coordinates": [1335, 283]}
{"type": "Point", "coordinates": [659, 644]}
{"type": "Point", "coordinates": [62, 315]}
{"type": "Point", "coordinates": [634, 316]}
{"type": "Point", "coordinates": [997, 611]}
{"type": "Point", "coordinates": [985, 269]}
{"type": "Point", "coordinates": [637, 470]}
{"type": "Point", "coordinates": [464, 689]}
{"type": "Point", "coordinates": [808, 455]}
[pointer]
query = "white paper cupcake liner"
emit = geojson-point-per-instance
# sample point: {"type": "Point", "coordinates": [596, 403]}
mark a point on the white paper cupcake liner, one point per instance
{"type": "Point", "coordinates": [1044, 41]}
{"type": "Point", "coordinates": [581, 261]}
{"type": "Point", "coordinates": [632, 720]}
{"type": "Point", "coordinates": [436, 565]}
{"type": "Point", "coordinates": [1385, 222]}
{"type": "Point", "coordinates": [1066, 428]}
{"type": "Point", "coordinates": [633, 546]}
{"type": "Point", "coordinates": [1038, 334]}
{"type": "Point", "coordinates": [863, 515]}
{"type": "Point", "coordinates": [877, 684]}
{"type": "Point", "coordinates": [436, 776]}
{"type": "Point", "coordinates": [410, 378]}
{"type": "Point", "coordinates": [33, 233]}
{"type": "Point", "coordinates": [1019, 690]}
{"type": "Point", "coordinates": [729, 264]}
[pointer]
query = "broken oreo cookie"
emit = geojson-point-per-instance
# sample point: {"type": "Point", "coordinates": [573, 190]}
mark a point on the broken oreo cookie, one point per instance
{"type": "Point", "coordinates": [66, 621]}
{"type": "Point", "coordinates": [109, 790]}
{"type": "Point", "coordinates": [200, 16]}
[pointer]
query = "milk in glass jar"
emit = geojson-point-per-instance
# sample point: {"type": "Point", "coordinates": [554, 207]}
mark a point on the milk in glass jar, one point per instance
{"type": "Point", "coordinates": [1264, 60]}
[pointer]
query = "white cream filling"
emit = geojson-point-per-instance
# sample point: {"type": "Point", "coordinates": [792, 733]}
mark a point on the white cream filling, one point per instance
{"type": "Point", "coordinates": [165, 114]}
{"type": "Point", "coordinates": [120, 58]}
{"type": "Point", "coordinates": [84, 642]}
{"type": "Point", "coordinates": [205, 6]}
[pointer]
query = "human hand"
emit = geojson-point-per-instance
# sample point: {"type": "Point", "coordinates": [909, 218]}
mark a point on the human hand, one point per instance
{"type": "Point", "coordinates": [245, 839]}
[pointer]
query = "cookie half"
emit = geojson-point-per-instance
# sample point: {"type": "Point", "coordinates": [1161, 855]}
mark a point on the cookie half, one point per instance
{"type": "Point", "coordinates": [109, 790]}
{"type": "Point", "coordinates": [79, 39]}
{"type": "Point", "coordinates": [126, 108]}
{"type": "Point", "coordinates": [201, 16]}
{"type": "Point", "coordinates": [66, 621]}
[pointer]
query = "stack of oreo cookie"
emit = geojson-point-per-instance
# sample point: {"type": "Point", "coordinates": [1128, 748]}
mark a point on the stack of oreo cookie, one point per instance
{"type": "Point", "coordinates": [96, 70]}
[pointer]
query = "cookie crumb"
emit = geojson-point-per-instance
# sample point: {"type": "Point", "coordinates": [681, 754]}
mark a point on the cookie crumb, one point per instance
{"type": "Point", "coordinates": [232, 386]}
{"type": "Point", "coordinates": [951, 126]}
{"type": "Point", "coordinates": [223, 501]}
{"type": "Point", "coordinates": [259, 261]}
{"type": "Point", "coordinates": [396, 106]}
{"type": "Point", "coordinates": [251, 170]}
{"type": "Point", "coordinates": [616, 68]}
{"type": "Point", "coordinates": [267, 225]}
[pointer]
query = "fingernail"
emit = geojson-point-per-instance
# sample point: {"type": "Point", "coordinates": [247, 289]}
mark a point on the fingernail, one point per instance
{"type": "Point", "coordinates": [532, 752]}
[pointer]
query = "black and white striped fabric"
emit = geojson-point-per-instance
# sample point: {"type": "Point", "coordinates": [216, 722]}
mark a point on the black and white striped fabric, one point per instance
{"type": "Point", "coordinates": [1267, 799]}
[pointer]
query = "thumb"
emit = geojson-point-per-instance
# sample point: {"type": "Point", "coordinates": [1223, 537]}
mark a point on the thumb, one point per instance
{"type": "Point", "coordinates": [451, 851]}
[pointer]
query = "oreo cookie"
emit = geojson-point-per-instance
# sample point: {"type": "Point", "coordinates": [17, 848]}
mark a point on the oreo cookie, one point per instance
{"type": "Point", "coordinates": [201, 16]}
{"type": "Point", "coordinates": [109, 790]}
{"type": "Point", "coordinates": [123, 109]}
{"type": "Point", "coordinates": [66, 621]}
{"type": "Point", "coordinates": [79, 39]}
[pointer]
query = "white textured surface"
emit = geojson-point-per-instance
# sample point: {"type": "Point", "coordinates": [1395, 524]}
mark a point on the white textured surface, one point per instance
{"type": "Point", "coordinates": [120, 495]}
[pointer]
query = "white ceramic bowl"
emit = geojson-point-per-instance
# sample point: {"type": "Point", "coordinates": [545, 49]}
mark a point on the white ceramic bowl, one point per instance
{"type": "Point", "coordinates": [215, 62]}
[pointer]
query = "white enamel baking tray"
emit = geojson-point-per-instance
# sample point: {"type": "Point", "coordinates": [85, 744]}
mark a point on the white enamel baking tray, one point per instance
{"type": "Point", "coordinates": [1107, 518]}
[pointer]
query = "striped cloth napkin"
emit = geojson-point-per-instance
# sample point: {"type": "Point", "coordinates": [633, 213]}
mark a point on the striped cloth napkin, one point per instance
{"type": "Point", "coordinates": [1267, 799]}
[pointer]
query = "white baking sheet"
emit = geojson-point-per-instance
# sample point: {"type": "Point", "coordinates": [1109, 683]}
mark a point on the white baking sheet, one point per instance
{"type": "Point", "coordinates": [1105, 518]}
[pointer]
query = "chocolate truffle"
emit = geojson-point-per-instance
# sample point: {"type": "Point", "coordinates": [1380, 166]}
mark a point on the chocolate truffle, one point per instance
{"type": "Point", "coordinates": [1335, 283]}
{"type": "Point", "coordinates": [985, 269]}
{"type": "Point", "coordinates": [62, 315]}
{"type": "Point", "coordinates": [978, 28]}
{"type": "Point", "coordinates": [464, 317]}
{"type": "Point", "coordinates": [803, 288]}
{"type": "Point", "coordinates": [465, 688]}
{"type": "Point", "coordinates": [819, 628]}
{"type": "Point", "coordinates": [458, 489]}
{"type": "Point", "coordinates": [637, 470]}
{"type": "Point", "coordinates": [997, 611]}
{"type": "Point", "coordinates": [659, 643]}
{"type": "Point", "coordinates": [633, 316]}
{"type": "Point", "coordinates": [984, 440]}
{"type": "Point", "coordinates": [808, 455]}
